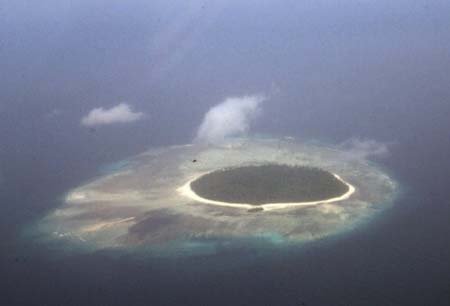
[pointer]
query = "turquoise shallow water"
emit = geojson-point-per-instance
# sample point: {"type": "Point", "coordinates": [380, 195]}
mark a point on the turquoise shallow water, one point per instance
{"type": "Point", "coordinates": [145, 188]}
{"type": "Point", "coordinates": [249, 270]}
{"type": "Point", "coordinates": [334, 70]}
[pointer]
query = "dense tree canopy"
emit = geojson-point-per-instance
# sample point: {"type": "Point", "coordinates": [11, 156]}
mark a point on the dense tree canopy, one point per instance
{"type": "Point", "coordinates": [270, 183]}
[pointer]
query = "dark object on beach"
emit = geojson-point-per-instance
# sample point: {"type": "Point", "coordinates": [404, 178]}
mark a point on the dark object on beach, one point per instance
{"type": "Point", "coordinates": [255, 209]}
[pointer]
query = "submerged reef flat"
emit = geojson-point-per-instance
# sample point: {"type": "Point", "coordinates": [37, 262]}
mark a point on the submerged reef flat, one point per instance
{"type": "Point", "coordinates": [294, 191]}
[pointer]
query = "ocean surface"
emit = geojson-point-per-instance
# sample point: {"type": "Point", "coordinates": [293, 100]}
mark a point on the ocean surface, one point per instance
{"type": "Point", "coordinates": [363, 70]}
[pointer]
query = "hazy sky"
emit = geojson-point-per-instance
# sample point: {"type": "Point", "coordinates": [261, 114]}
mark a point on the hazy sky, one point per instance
{"type": "Point", "coordinates": [330, 69]}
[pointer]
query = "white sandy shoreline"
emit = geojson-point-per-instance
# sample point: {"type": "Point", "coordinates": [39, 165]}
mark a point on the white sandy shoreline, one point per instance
{"type": "Point", "coordinates": [187, 191]}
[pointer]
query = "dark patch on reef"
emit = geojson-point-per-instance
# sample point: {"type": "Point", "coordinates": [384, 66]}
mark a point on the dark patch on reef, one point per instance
{"type": "Point", "coordinates": [154, 222]}
{"type": "Point", "coordinates": [162, 226]}
{"type": "Point", "coordinates": [270, 183]}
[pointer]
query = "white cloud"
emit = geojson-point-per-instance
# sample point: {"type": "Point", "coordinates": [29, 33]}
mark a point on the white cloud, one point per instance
{"type": "Point", "coordinates": [121, 113]}
{"type": "Point", "coordinates": [362, 148]}
{"type": "Point", "coordinates": [232, 117]}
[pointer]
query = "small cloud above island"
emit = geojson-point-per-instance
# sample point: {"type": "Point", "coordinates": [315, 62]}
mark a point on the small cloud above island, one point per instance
{"type": "Point", "coordinates": [230, 118]}
{"type": "Point", "coordinates": [121, 113]}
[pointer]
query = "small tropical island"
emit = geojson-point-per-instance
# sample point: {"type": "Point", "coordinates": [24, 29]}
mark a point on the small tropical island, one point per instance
{"type": "Point", "coordinates": [269, 188]}
{"type": "Point", "coordinates": [268, 184]}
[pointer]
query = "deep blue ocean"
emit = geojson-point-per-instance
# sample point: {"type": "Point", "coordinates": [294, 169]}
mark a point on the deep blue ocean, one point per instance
{"type": "Point", "coordinates": [332, 73]}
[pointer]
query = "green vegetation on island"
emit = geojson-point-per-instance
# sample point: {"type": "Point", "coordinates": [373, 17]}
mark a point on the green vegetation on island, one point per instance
{"type": "Point", "coordinates": [269, 183]}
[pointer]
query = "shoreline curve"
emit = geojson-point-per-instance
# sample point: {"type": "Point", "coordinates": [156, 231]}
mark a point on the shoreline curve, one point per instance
{"type": "Point", "coordinates": [187, 191]}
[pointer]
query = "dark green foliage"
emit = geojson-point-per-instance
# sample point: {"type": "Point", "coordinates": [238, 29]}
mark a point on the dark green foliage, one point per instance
{"type": "Point", "coordinates": [271, 183]}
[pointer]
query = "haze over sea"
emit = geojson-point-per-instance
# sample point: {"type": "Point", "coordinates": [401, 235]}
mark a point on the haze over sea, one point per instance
{"type": "Point", "coordinates": [370, 73]}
